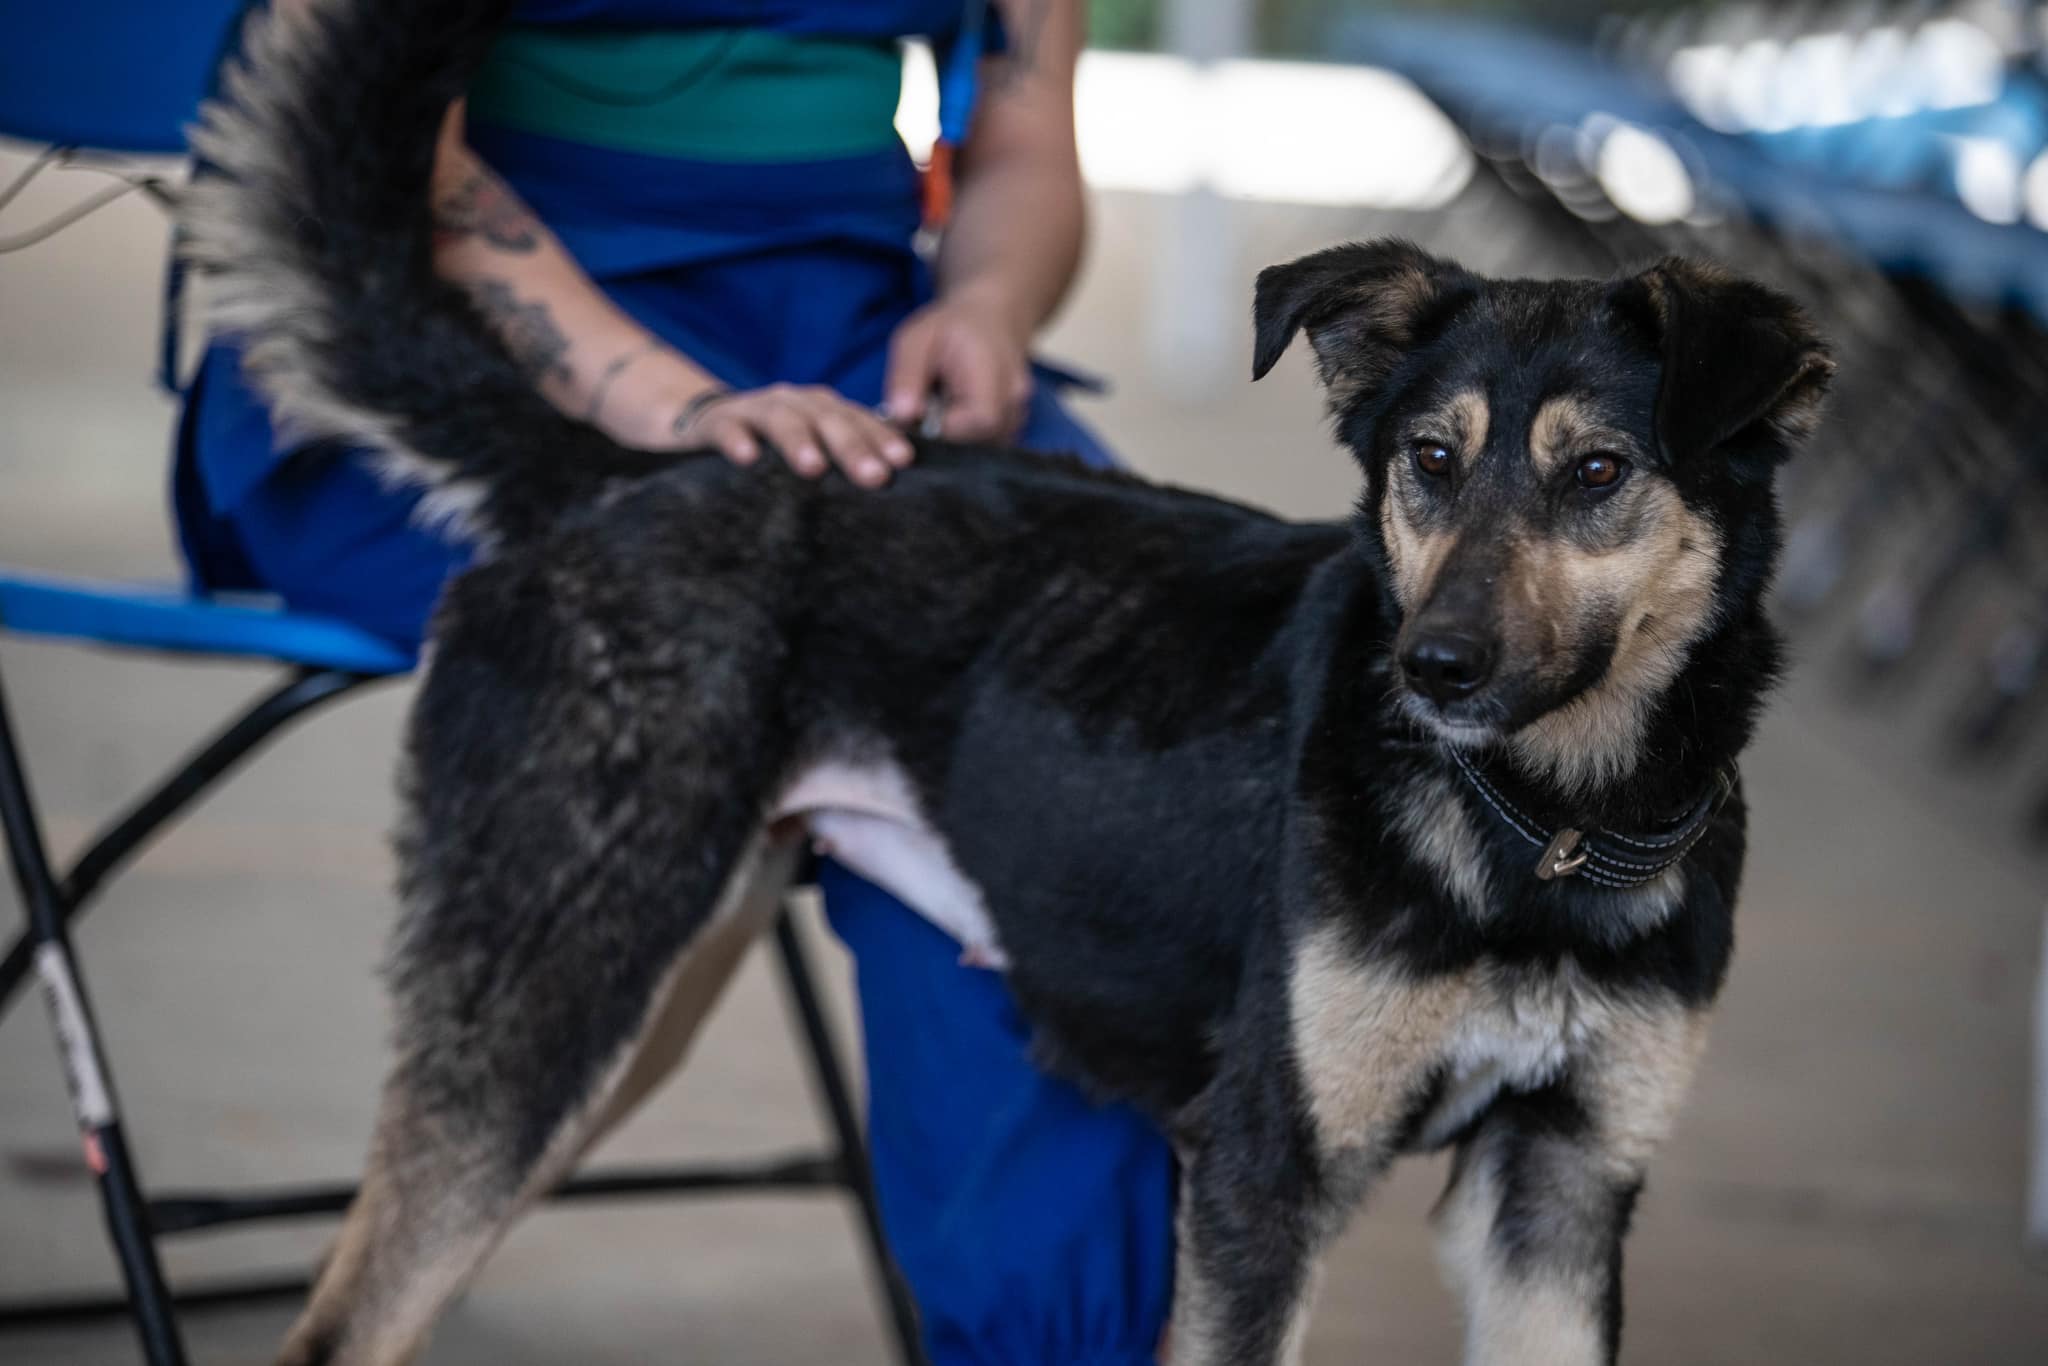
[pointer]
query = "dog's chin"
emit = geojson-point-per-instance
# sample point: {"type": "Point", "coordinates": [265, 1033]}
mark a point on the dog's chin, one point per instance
{"type": "Point", "coordinates": [1458, 726]}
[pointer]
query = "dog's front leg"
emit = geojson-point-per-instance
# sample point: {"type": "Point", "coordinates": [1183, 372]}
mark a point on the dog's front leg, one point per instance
{"type": "Point", "coordinates": [1530, 1229]}
{"type": "Point", "coordinates": [1304, 1113]}
{"type": "Point", "coordinates": [1530, 1234]}
{"type": "Point", "coordinates": [1252, 1217]}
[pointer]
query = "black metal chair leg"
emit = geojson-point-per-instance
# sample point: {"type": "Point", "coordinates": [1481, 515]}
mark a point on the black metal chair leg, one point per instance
{"type": "Point", "coordinates": [60, 1311]}
{"type": "Point", "coordinates": [92, 1088]}
{"type": "Point", "coordinates": [829, 1076]}
{"type": "Point", "coordinates": [199, 771]}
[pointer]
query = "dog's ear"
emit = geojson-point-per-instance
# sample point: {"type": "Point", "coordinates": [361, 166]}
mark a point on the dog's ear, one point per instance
{"type": "Point", "coordinates": [1361, 304]}
{"type": "Point", "coordinates": [1740, 360]}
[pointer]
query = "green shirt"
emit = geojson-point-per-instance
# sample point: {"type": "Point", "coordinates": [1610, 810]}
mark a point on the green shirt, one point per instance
{"type": "Point", "coordinates": [711, 94]}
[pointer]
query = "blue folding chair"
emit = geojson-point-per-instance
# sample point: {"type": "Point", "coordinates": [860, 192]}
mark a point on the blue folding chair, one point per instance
{"type": "Point", "coordinates": [124, 76]}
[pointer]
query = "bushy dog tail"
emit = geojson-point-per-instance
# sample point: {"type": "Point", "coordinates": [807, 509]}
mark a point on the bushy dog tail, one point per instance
{"type": "Point", "coordinates": [312, 222]}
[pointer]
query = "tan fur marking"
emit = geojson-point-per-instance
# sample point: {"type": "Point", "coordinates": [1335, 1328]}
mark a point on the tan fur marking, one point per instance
{"type": "Point", "coordinates": [1432, 820]}
{"type": "Point", "coordinates": [1414, 556]}
{"type": "Point", "coordinates": [1470, 417]}
{"type": "Point", "coordinates": [374, 1225]}
{"type": "Point", "coordinates": [1567, 427]}
{"type": "Point", "coordinates": [1356, 352]}
{"type": "Point", "coordinates": [1662, 581]}
{"type": "Point", "coordinates": [1362, 1033]}
{"type": "Point", "coordinates": [1640, 1077]}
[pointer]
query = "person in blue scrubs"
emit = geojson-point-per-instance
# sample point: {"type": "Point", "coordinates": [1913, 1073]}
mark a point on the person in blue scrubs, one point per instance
{"type": "Point", "coordinates": [693, 222]}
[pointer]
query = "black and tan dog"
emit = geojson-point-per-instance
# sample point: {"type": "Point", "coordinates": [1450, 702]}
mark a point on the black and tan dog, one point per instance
{"type": "Point", "coordinates": [1324, 842]}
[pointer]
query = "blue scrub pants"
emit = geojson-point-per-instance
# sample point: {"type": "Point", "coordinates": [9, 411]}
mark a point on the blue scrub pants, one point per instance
{"type": "Point", "coordinates": [1035, 1226]}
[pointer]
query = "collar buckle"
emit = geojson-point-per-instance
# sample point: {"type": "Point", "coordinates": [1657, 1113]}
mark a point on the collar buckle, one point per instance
{"type": "Point", "coordinates": [1562, 856]}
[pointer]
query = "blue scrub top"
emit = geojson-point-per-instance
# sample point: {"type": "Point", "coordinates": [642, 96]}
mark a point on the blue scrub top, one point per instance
{"type": "Point", "coordinates": [791, 271]}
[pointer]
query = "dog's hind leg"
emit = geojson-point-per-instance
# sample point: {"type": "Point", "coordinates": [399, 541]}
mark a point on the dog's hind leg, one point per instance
{"type": "Point", "coordinates": [445, 1180]}
{"type": "Point", "coordinates": [700, 978]}
{"type": "Point", "coordinates": [573, 893]}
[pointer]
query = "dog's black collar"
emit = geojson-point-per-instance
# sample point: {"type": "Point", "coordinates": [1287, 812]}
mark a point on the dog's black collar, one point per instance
{"type": "Point", "coordinates": [1606, 858]}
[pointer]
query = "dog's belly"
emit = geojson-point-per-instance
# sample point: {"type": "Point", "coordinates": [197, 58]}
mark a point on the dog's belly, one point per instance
{"type": "Point", "coordinates": [866, 816]}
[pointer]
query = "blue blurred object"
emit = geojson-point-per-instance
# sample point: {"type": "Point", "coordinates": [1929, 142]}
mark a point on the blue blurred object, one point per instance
{"type": "Point", "coordinates": [1504, 84]}
{"type": "Point", "coordinates": [116, 75]}
{"type": "Point", "coordinates": [1917, 152]}
{"type": "Point", "coordinates": [1491, 75]}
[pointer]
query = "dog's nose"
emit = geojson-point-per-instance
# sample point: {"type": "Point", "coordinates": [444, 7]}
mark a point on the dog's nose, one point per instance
{"type": "Point", "coordinates": [1447, 665]}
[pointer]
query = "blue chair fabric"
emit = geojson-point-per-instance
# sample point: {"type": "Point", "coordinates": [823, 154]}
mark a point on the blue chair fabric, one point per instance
{"type": "Point", "coordinates": [113, 75]}
{"type": "Point", "coordinates": [148, 617]}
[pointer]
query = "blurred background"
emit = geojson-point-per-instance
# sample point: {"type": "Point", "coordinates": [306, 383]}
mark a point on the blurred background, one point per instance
{"type": "Point", "coordinates": [1850, 1182]}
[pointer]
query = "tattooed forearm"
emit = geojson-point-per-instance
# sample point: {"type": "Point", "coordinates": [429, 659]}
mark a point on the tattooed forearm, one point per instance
{"type": "Point", "coordinates": [528, 330]}
{"type": "Point", "coordinates": [480, 205]}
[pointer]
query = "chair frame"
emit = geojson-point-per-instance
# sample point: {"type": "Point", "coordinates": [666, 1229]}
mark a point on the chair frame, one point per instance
{"type": "Point", "coordinates": [137, 1220]}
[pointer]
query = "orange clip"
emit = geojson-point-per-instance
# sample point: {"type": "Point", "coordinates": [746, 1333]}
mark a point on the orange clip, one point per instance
{"type": "Point", "coordinates": [938, 187]}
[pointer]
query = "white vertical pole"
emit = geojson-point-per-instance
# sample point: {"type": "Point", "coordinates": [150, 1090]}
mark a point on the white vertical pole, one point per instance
{"type": "Point", "coordinates": [1196, 305]}
{"type": "Point", "coordinates": [2037, 1198]}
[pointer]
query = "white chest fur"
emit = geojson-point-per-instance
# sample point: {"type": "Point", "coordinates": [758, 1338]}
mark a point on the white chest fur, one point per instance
{"type": "Point", "coordinates": [1367, 1034]}
{"type": "Point", "coordinates": [1519, 1031]}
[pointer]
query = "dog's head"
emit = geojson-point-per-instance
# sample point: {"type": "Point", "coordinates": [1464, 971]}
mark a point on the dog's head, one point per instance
{"type": "Point", "coordinates": [1568, 482]}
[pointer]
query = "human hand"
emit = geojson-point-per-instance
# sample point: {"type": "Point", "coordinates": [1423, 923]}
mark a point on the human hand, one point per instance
{"type": "Point", "coordinates": [970, 347]}
{"type": "Point", "coordinates": [669, 407]}
{"type": "Point", "coordinates": [811, 425]}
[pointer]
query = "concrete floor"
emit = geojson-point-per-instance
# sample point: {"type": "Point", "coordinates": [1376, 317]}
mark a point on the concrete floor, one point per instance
{"type": "Point", "coordinates": [1846, 1186]}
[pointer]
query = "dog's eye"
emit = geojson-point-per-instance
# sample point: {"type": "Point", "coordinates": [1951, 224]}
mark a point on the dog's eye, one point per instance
{"type": "Point", "coordinates": [1432, 458]}
{"type": "Point", "coordinates": [1600, 470]}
